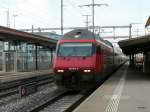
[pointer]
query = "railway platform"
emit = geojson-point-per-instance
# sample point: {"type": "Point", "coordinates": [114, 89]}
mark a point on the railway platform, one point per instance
{"type": "Point", "coordinates": [13, 76]}
{"type": "Point", "coordinates": [127, 90]}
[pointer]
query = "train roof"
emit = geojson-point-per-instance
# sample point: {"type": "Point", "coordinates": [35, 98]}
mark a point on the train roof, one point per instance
{"type": "Point", "coordinates": [108, 43]}
{"type": "Point", "coordinates": [84, 34]}
{"type": "Point", "coordinates": [79, 34]}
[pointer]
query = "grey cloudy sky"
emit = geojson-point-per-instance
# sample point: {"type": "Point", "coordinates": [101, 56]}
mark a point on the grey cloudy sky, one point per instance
{"type": "Point", "coordinates": [46, 13]}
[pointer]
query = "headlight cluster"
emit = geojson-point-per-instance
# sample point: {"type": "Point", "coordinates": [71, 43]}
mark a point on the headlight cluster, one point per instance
{"type": "Point", "coordinates": [87, 70]}
{"type": "Point", "coordinates": [60, 71]}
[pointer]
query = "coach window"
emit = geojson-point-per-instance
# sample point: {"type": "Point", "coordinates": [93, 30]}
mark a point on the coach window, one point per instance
{"type": "Point", "coordinates": [98, 50]}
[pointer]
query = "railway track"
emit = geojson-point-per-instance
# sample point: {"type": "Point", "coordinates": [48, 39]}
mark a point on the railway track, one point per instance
{"type": "Point", "coordinates": [27, 104]}
{"type": "Point", "coordinates": [64, 102]}
{"type": "Point", "coordinates": [49, 99]}
{"type": "Point", "coordinates": [16, 83]}
{"type": "Point", "coordinates": [14, 88]}
{"type": "Point", "coordinates": [46, 100]}
{"type": "Point", "coordinates": [58, 94]}
{"type": "Point", "coordinates": [13, 97]}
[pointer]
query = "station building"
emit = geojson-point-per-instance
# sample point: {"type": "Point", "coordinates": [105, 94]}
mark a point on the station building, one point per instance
{"type": "Point", "coordinates": [23, 52]}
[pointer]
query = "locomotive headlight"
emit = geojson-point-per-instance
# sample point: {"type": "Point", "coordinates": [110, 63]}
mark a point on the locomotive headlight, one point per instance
{"type": "Point", "coordinates": [87, 70]}
{"type": "Point", "coordinates": [60, 70]}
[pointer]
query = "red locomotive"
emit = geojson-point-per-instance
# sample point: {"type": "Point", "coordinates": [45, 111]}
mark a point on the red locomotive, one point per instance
{"type": "Point", "coordinates": [83, 59]}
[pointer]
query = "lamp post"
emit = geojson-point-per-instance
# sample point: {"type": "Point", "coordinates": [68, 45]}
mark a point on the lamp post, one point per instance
{"type": "Point", "coordinates": [8, 18]}
{"type": "Point", "coordinates": [131, 57]}
{"type": "Point", "coordinates": [93, 11]}
{"type": "Point", "coordinates": [87, 20]}
{"type": "Point", "coordinates": [130, 29]}
{"type": "Point", "coordinates": [61, 17]}
{"type": "Point", "coordinates": [15, 15]}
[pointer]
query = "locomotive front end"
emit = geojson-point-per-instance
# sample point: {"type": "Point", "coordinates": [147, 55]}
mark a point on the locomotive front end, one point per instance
{"type": "Point", "coordinates": [74, 63]}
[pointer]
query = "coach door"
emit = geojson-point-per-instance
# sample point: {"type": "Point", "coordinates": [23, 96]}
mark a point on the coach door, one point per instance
{"type": "Point", "coordinates": [98, 60]}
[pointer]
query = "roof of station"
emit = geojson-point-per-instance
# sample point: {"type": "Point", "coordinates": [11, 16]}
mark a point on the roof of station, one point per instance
{"type": "Point", "coordinates": [16, 35]}
{"type": "Point", "coordinates": [135, 45]}
{"type": "Point", "coordinates": [49, 35]}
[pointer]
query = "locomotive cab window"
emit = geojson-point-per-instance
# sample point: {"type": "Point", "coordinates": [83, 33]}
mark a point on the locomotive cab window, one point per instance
{"type": "Point", "coordinates": [75, 49]}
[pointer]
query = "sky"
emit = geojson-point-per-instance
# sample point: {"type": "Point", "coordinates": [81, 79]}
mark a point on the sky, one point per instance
{"type": "Point", "coordinates": [46, 13]}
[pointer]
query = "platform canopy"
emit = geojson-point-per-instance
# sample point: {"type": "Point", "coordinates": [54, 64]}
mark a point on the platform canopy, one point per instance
{"type": "Point", "coordinates": [16, 35]}
{"type": "Point", "coordinates": [135, 45]}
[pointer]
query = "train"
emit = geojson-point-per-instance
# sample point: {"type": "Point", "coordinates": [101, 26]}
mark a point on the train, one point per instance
{"type": "Point", "coordinates": [83, 59]}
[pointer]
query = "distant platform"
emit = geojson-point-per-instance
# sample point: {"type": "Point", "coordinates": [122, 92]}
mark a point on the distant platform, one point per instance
{"type": "Point", "coordinates": [13, 76]}
{"type": "Point", "coordinates": [127, 90]}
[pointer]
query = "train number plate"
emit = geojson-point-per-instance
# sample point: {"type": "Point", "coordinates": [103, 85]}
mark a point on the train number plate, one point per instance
{"type": "Point", "coordinates": [73, 69]}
